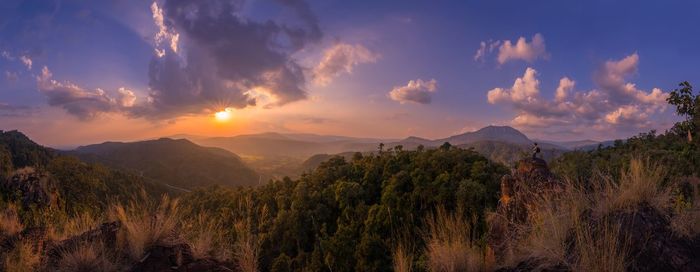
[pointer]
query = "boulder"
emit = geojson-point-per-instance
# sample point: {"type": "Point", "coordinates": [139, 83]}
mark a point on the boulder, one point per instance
{"type": "Point", "coordinates": [31, 187]}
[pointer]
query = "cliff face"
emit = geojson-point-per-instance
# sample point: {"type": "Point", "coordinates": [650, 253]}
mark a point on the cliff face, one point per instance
{"type": "Point", "coordinates": [642, 232]}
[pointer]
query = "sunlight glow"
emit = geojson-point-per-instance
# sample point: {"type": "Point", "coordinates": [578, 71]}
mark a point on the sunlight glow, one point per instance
{"type": "Point", "coordinates": [223, 116]}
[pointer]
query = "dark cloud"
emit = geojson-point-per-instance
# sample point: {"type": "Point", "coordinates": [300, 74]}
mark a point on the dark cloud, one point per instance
{"type": "Point", "coordinates": [215, 57]}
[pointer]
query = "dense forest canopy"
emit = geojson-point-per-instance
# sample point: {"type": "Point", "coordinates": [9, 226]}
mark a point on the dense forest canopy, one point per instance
{"type": "Point", "coordinates": [348, 215]}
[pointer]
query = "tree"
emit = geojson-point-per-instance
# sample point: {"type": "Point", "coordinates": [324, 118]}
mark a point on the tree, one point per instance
{"type": "Point", "coordinates": [686, 105]}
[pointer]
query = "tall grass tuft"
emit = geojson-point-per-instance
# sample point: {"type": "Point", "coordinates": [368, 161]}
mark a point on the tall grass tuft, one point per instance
{"type": "Point", "coordinates": [642, 182]}
{"type": "Point", "coordinates": [449, 245]}
{"type": "Point", "coordinates": [145, 223]}
{"type": "Point", "coordinates": [75, 226]}
{"type": "Point", "coordinates": [403, 257]}
{"type": "Point", "coordinates": [206, 237]}
{"type": "Point", "coordinates": [246, 247]}
{"type": "Point", "coordinates": [9, 221]}
{"type": "Point", "coordinates": [600, 248]}
{"type": "Point", "coordinates": [92, 256]}
{"type": "Point", "coordinates": [23, 258]}
{"type": "Point", "coordinates": [574, 226]}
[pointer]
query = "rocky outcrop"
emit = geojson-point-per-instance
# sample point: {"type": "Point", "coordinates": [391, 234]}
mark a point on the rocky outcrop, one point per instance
{"type": "Point", "coordinates": [531, 178]}
{"type": "Point", "coordinates": [646, 233]}
{"type": "Point", "coordinates": [653, 245]}
{"type": "Point", "coordinates": [31, 187]}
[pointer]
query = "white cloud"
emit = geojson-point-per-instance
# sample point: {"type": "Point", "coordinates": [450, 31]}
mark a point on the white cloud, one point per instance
{"type": "Point", "coordinates": [164, 35]}
{"type": "Point", "coordinates": [84, 104]}
{"type": "Point", "coordinates": [416, 91]}
{"type": "Point", "coordinates": [127, 98]}
{"type": "Point", "coordinates": [520, 50]}
{"type": "Point", "coordinates": [341, 58]}
{"type": "Point", "coordinates": [615, 103]}
{"type": "Point", "coordinates": [566, 85]}
{"type": "Point", "coordinates": [26, 61]}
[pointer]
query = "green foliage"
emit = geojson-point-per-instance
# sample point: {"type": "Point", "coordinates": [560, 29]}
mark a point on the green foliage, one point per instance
{"type": "Point", "coordinates": [687, 105]}
{"type": "Point", "coordinates": [24, 151]}
{"type": "Point", "coordinates": [346, 215]}
{"type": "Point", "coordinates": [174, 162]}
{"type": "Point", "coordinates": [74, 186]}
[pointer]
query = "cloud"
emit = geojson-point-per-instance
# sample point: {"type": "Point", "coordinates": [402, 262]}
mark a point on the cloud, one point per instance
{"type": "Point", "coordinates": [566, 85]}
{"type": "Point", "coordinates": [484, 49]}
{"type": "Point", "coordinates": [210, 56]}
{"type": "Point", "coordinates": [26, 61]}
{"type": "Point", "coordinates": [127, 98]}
{"type": "Point", "coordinates": [416, 91]}
{"type": "Point", "coordinates": [7, 110]}
{"type": "Point", "coordinates": [82, 103]}
{"type": "Point", "coordinates": [341, 58]}
{"type": "Point", "coordinates": [508, 51]}
{"type": "Point", "coordinates": [614, 103]}
{"type": "Point", "coordinates": [6, 55]}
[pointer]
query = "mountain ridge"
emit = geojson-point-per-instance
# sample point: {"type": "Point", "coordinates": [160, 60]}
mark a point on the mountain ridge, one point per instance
{"type": "Point", "coordinates": [173, 162]}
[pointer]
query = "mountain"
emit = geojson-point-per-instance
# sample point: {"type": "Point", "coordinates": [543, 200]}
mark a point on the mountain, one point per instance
{"type": "Point", "coordinates": [179, 163]}
{"type": "Point", "coordinates": [41, 177]}
{"type": "Point", "coordinates": [508, 153]}
{"type": "Point", "coordinates": [278, 154]}
{"type": "Point", "coordinates": [490, 133]}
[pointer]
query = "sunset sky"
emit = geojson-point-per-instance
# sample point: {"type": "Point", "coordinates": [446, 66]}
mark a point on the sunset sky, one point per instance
{"type": "Point", "coordinates": [79, 72]}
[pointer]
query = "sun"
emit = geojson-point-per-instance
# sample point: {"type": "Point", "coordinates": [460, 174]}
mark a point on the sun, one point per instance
{"type": "Point", "coordinates": [222, 116]}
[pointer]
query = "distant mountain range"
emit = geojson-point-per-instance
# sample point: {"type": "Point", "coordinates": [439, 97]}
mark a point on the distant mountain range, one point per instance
{"type": "Point", "coordinates": [305, 145]}
{"type": "Point", "coordinates": [254, 158]}
{"type": "Point", "coordinates": [176, 163]}
{"type": "Point", "coordinates": [283, 154]}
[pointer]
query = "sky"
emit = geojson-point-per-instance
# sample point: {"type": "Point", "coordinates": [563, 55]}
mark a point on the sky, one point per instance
{"type": "Point", "coordinates": [80, 72]}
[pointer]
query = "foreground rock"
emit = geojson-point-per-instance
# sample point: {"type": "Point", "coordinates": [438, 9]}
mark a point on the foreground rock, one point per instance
{"type": "Point", "coordinates": [531, 177]}
{"type": "Point", "coordinates": [646, 234]}
{"type": "Point", "coordinates": [31, 187]}
{"type": "Point", "coordinates": [162, 257]}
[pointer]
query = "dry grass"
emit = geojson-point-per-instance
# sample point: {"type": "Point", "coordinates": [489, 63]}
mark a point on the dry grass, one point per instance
{"type": "Point", "coordinates": [9, 221]}
{"type": "Point", "coordinates": [145, 223]}
{"type": "Point", "coordinates": [75, 226]}
{"type": "Point", "coordinates": [403, 258]}
{"type": "Point", "coordinates": [449, 245]}
{"type": "Point", "coordinates": [640, 183]}
{"type": "Point", "coordinates": [23, 258]}
{"type": "Point", "coordinates": [686, 221]}
{"type": "Point", "coordinates": [600, 248]}
{"type": "Point", "coordinates": [86, 257]}
{"type": "Point", "coordinates": [206, 237]}
{"type": "Point", "coordinates": [550, 221]}
{"type": "Point", "coordinates": [558, 222]}
{"type": "Point", "coordinates": [247, 246]}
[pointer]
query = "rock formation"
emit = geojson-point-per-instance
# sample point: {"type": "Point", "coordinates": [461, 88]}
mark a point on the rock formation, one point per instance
{"type": "Point", "coordinates": [31, 187]}
{"type": "Point", "coordinates": [647, 237]}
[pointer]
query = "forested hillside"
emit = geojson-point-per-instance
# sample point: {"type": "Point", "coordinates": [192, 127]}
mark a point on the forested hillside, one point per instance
{"type": "Point", "coordinates": [350, 215]}
{"type": "Point", "coordinates": [179, 163]}
{"type": "Point", "coordinates": [49, 187]}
